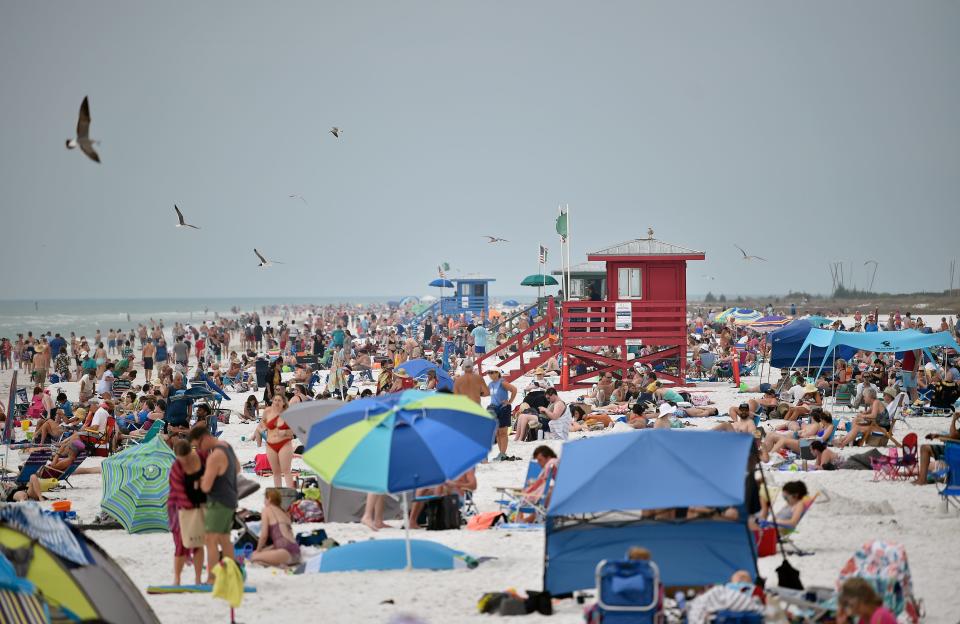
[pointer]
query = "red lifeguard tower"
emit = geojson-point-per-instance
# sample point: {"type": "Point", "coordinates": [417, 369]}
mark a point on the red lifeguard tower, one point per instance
{"type": "Point", "coordinates": [645, 305]}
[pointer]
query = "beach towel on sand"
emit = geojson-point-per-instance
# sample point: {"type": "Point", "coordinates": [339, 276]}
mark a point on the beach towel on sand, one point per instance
{"type": "Point", "coordinates": [228, 583]}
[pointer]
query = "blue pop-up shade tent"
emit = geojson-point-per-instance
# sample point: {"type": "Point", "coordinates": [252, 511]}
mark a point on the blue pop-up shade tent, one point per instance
{"type": "Point", "coordinates": [878, 342]}
{"type": "Point", "coordinates": [604, 484]}
{"type": "Point", "coordinates": [789, 343]}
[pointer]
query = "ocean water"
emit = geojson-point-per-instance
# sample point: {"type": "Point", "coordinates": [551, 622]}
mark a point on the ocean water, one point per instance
{"type": "Point", "coordinates": [85, 316]}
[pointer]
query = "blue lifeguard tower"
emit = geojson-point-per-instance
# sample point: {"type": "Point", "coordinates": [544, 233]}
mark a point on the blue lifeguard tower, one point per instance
{"type": "Point", "coordinates": [471, 296]}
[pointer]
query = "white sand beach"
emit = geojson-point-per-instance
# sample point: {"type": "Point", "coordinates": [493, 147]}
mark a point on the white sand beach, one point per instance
{"type": "Point", "coordinates": [851, 510]}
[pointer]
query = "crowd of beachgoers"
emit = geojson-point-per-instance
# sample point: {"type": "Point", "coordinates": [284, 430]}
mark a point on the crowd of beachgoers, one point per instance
{"type": "Point", "coordinates": [90, 396]}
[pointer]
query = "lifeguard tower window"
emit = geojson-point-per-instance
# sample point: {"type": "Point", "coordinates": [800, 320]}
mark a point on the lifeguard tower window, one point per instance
{"type": "Point", "coordinates": [629, 283]}
{"type": "Point", "coordinates": [479, 290]}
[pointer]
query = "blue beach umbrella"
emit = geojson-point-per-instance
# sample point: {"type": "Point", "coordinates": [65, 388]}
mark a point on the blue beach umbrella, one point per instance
{"type": "Point", "coordinates": [418, 370]}
{"type": "Point", "coordinates": [511, 303]}
{"type": "Point", "coordinates": [400, 442]}
{"type": "Point", "coordinates": [441, 283]}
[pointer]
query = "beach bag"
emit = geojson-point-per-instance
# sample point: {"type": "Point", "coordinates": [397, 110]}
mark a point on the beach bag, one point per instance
{"type": "Point", "coordinates": [485, 520]}
{"type": "Point", "coordinates": [443, 513]}
{"type": "Point", "coordinates": [314, 538]}
{"type": "Point", "coordinates": [261, 465]}
{"type": "Point", "coordinates": [192, 531]}
{"type": "Point", "coordinates": [306, 511]}
{"type": "Point", "coordinates": [766, 539]}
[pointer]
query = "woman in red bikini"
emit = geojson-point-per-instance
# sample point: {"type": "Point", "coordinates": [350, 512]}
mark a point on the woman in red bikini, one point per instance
{"type": "Point", "coordinates": [279, 440]}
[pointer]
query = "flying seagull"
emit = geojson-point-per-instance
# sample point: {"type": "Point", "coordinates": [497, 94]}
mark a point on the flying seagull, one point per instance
{"type": "Point", "coordinates": [180, 221]}
{"type": "Point", "coordinates": [300, 197]}
{"type": "Point", "coordinates": [709, 277]}
{"type": "Point", "coordinates": [83, 140]}
{"type": "Point", "coordinates": [263, 261]}
{"type": "Point", "coordinates": [335, 131]}
{"type": "Point", "coordinates": [747, 257]}
{"type": "Point", "coordinates": [494, 239]}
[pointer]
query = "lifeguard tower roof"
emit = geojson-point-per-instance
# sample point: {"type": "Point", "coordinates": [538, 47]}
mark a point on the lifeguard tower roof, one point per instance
{"type": "Point", "coordinates": [649, 247]}
{"type": "Point", "coordinates": [598, 268]}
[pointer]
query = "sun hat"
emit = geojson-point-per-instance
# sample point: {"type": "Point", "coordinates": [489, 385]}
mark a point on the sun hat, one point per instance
{"type": "Point", "coordinates": [809, 389]}
{"type": "Point", "coordinates": [540, 371]}
{"type": "Point", "coordinates": [665, 409]}
{"type": "Point", "coordinates": [494, 370]}
{"type": "Point", "coordinates": [399, 372]}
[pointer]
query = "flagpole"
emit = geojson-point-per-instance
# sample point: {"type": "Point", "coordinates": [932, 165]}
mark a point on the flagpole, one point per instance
{"type": "Point", "coordinates": [563, 260]}
{"type": "Point", "coordinates": [567, 237]}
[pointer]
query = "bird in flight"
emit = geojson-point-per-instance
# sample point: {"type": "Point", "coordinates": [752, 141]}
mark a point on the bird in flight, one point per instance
{"type": "Point", "coordinates": [263, 261]}
{"type": "Point", "coordinates": [82, 139]}
{"type": "Point", "coordinates": [749, 257]}
{"type": "Point", "coordinates": [300, 197]}
{"type": "Point", "coordinates": [494, 239]}
{"type": "Point", "coordinates": [708, 277]}
{"type": "Point", "coordinates": [180, 222]}
{"type": "Point", "coordinates": [335, 131]}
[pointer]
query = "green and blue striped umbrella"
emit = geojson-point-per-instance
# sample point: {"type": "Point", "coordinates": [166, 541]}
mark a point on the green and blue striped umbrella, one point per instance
{"type": "Point", "coordinates": [136, 483]}
{"type": "Point", "coordinates": [399, 442]}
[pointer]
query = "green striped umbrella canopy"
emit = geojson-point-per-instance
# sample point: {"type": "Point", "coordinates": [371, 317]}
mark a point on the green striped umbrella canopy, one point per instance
{"type": "Point", "coordinates": [136, 482]}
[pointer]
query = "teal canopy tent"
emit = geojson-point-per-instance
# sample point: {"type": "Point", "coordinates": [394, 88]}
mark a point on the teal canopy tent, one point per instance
{"type": "Point", "coordinates": [878, 342]}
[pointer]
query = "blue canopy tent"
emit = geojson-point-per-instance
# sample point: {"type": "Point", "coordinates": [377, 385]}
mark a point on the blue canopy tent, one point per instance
{"type": "Point", "coordinates": [878, 342]}
{"type": "Point", "coordinates": [604, 484]}
{"type": "Point", "coordinates": [788, 343]}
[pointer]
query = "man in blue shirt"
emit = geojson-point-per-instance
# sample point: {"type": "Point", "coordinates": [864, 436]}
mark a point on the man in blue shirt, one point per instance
{"type": "Point", "coordinates": [479, 334]}
{"type": "Point", "coordinates": [56, 344]}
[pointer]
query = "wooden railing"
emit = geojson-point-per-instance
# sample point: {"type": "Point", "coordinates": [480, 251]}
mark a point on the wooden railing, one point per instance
{"type": "Point", "coordinates": [511, 323]}
{"type": "Point", "coordinates": [531, 338]}
{"type": "Point", "coordinates": [590, 320]}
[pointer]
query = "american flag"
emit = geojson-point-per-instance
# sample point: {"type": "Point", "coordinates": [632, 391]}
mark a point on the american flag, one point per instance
{"type": "Point", "coordinates": [543, 254]}
{"type": "Point", "coordinates": [442, 273]}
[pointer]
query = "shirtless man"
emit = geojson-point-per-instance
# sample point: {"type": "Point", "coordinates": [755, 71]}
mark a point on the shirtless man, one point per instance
{"type": "Point", "coordinates": [470, 384]}
{"type": "Point", "coordinates": [149, 353]}
{"type": "Point", "coordinates": [742, 421]}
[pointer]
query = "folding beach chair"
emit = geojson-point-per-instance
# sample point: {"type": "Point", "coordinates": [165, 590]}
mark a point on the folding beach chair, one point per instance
{"type": "Point", "coordinates": [843, 397]}
{"type": "Point", "coordinates": [512, 498]}
{"type": "Point", "coordinates": [951, 487]}
{"type": "Point", "coordinates": [787, 530]}
{"type": "Point", "coordinates": [69, 470]}
{"type": "Point", "coordinates": [151, 433]}
{"type": "Point", "coordinates": [627, 591]}
{"type": "Point", "coordinates": [35, 462]}
{"type": "Point", "coordinates": [897, 467]}
{"type": "Point", "coordinates": [520, 504]}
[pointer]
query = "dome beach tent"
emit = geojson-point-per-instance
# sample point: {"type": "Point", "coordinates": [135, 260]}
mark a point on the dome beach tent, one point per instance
{"type": "Point", "coordinates": [605, 484]}
{"type": "Point", "coordinates": [71, 573]}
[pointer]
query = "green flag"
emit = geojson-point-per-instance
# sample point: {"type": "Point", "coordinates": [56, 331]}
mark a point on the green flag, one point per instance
{"type": "Point", "coordinates": [562, 225]}
{"type": "Point", "coordinates": [446, 266]}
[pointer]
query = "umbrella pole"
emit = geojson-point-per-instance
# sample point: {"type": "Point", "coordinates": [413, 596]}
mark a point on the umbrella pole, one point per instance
{"type": "Point", "coordinates": [406, 531]}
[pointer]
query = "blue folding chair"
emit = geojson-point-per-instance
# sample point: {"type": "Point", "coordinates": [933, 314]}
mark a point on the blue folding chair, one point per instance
{"type": "Point", "coordinates": [627, 591]}
{"type": "Point", "coordinates": [951, 488]}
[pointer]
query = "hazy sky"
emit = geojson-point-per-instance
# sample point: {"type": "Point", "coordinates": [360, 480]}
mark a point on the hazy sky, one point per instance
{"type": "Point", "coordinates": [804, 131]}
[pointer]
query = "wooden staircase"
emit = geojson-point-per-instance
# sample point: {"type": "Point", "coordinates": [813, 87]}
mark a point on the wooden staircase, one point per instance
{"type": "Point", "coordinates": [541, 337]}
